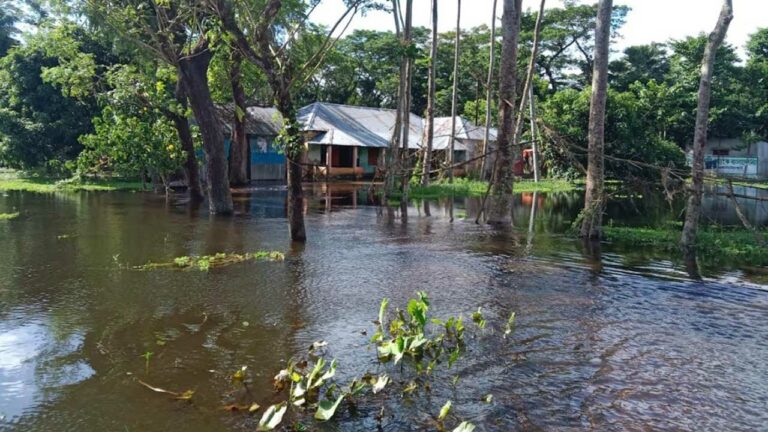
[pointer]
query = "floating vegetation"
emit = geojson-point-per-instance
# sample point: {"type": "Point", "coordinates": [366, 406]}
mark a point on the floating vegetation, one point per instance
{"type": "Point", "coordinates": [206, 262]}
{"type": "Point", "coordinates": [307, 389]}
{"type": "Point", "coordinates": [8, 216]}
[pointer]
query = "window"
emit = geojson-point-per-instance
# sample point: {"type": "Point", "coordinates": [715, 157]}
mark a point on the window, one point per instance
{"type": "Point", "coordinates": [720, 152]}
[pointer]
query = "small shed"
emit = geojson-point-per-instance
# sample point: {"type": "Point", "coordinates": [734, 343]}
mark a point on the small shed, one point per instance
{"type": "Point", "coordinates": [262, 125]}
{"type": "Point", "coordinates": [468, 143]}
{"type": "Point", "coordinates": [734, 157]}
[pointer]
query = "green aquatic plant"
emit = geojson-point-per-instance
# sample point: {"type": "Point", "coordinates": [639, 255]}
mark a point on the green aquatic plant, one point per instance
{"type": "Point", "coordinates": [206, 262]}
{"type": "Point", "coordinates": [464, 427]}
{"type": "Point", "coordinates": [272, 417]}
{"type": "Point", "coordinates": [510, 325]}
{"type": "Point", "coordinates": [308, 385]}
{"type": "Point", "coordinates": [146, 356]}
{"type": "Point", "coordinates": [8, 216]}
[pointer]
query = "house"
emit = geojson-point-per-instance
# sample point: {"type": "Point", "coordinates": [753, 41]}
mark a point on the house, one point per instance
{"type": "Point", "coordinates": [262, 125]}
{"type": "Point", "coordinates": [345, 140]}
{"type": "Point", "coordinates": [734, 157]}
{"type": "Point", "coordinates": [468, 142]}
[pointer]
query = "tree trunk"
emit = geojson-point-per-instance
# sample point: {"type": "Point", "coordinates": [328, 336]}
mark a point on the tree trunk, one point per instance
{"type": "Point", "coordinates": [181, 123]}
{"type": "Point", "coordinates": [238, 147]}
{"type": "Point", "coordinates": [489, 92]}
{"type": "Point", "coordinates": [405, 162]}
{"type": "Point", "coordinates": [427, 165]}
{"type": "Point", "coordinates": [393, 155]}
{"type": "Point", "coordinates": [534, 136]}
{"type": "Point", "coordinates": [530, 73]}
{"type": "Point", "coordinates": [293, 150]}
{"type": "Point", "coordinates": [594, 200]}
{"type": "Point", "coordinates": [693, 210]}
{"type": "Point", "coordinates": [194, 68]}
{"type": "Point", "coordinates": [502, 183]}
{"type": "Point", "coordinates": [455, 91]}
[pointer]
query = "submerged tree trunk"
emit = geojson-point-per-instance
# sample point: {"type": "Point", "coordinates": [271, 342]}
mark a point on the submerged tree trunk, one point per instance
{"type": "Point", "coordinates": [194, 69]}
{"type": "Point", "coordinates": [488, 95]}
{"type": "Point", "coordinates": [527, 96]}
{"type": "Point", "coordinates": [427, 165]}
{"type": "Point", "coordinates": [594, 200]}
{"type": "Point", "coordinates": [406, 102]}
{"type": "Point", "coordinates": [238, 146]}
{"type": "Point", "coordinates": [502, 183]}
{"type": "Point", "coordinates": [293, 147]}
{"type": "Point", "coordinates": [181, 123]}
{"type": "Point", "coordinates": [455, 91]}
{"type": "Point", "coordinates": [393, 155]}
{"type": "Point", "coordinates": [693, 210]}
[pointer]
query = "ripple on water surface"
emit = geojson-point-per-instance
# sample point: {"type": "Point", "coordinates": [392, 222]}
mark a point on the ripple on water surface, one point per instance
{"type": "Point", "coordinates": [600, 344]}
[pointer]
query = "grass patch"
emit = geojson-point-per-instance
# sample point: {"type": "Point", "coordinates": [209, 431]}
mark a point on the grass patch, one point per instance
{"type": "Point", "coordinates": [8, 216]}
{"type": "Point", "coordinates": [475, 188]}
{"type": "Point", "coordinates": [19, 181]}
{"type": "Point", "coordinates": [712, 245]}
{"type": "Point", "coordinates": [206, 262]}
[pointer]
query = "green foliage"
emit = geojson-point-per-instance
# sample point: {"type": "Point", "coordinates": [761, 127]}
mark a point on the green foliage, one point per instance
{"type": "Point", "coordinates": [463, 187]}
{"type": "Point", "coordinates": [713, 245]}
{"type": "Point", "coordinates": [131, 144]}
{"type": "Point", "coordinates": [630, 133]}
{"type": "Point", "coordinates": [32, 182]}
{"type": "Point", "coordinates": [38, 123]}
{"type": "Point", "coordinates": [8, 216]}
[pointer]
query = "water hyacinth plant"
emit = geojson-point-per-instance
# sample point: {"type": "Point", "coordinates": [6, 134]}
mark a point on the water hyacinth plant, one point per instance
{"type": "Point", "coordinates": [8, 216]}
{"type": "Point", "coordinates": [206, 262]}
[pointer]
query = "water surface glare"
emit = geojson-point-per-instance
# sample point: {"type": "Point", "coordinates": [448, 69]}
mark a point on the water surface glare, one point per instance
{"type": "Point", "coordinates": [613, 340]}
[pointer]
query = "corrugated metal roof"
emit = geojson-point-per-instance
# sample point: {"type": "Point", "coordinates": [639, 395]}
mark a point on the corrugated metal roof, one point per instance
{"type": "Point", "coordinates": [261, 121]}
{"type": "Point", "coordinates": [348, 125]}
{"type": "Point", "coordinates": [465, 130]}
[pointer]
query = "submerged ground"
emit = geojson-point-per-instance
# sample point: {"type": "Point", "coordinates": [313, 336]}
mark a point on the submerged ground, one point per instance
{"type": "Point", "coordinates": [611, 339]}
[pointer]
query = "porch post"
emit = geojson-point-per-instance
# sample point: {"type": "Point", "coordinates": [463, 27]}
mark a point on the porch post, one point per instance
{"type": "Point", "coordinates": [354, 161]}
{"type": "Point", "coordinates": [328, 161]}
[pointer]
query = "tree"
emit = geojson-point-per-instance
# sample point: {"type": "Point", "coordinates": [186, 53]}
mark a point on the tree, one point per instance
{"type": "Point", "coordinates": [9, 13]}
{"type": "Point", "coordinates": [693, 209]}
{"type": "Point", "coordinates": [286, 65]}
{"type": "Point", "coordinates": [130, 79]}
{"type": "Point", "coordinates": [40, 125]}
{"type": "Point", "coordinates": [500, 206]}
{"type": "Point", "coordinates": [430, 129]}
{"type": "Point", "coordinates": [594, 200]}
{"type": "Point", "coordinates": [641, 63]}
{"type": "Point", "coordinates": [176, 32]}
{"type": "Point", "coordinates": [567, 43]}
{"type": "Point", "coordinates": [756, 79]}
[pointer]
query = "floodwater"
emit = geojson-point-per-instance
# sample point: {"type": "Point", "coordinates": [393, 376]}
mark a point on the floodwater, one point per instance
{"type": "Point", "coordinates": [609, 339]}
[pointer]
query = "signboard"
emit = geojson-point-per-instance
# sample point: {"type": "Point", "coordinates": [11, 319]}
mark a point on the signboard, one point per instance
{"type": "Point", "coordinates": [728, 165]}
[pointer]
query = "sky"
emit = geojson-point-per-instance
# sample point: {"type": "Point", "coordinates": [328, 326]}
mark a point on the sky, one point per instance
{"type": "Point", "coordinates": [648, 21]}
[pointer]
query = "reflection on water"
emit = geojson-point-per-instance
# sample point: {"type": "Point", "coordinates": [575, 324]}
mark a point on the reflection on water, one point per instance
{"type": "Point", "coordinates": [606, 339]}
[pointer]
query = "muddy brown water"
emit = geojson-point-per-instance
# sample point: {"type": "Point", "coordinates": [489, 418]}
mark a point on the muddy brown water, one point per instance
{"type": "Point", "coordinates": [620, 341]}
